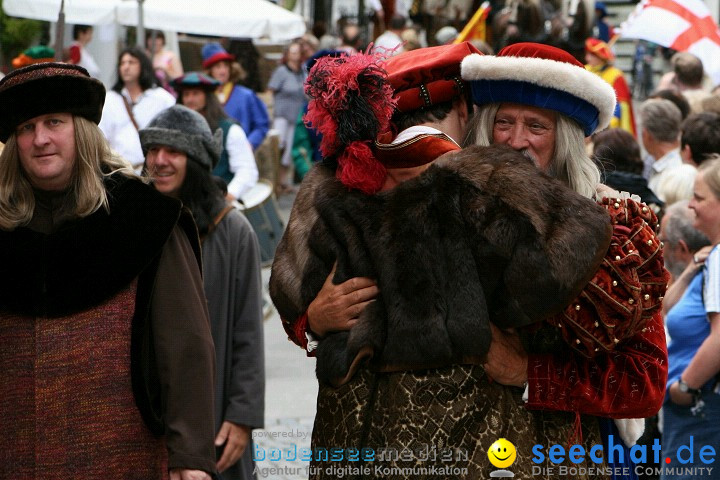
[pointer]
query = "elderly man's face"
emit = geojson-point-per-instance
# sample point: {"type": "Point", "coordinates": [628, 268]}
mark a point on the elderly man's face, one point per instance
{"type": "Point", "coordinates": [527, 129]}
{"type": "Point", "coordinates": [46, 146]}
{"type": "Point", "coordinates": [167, 168]}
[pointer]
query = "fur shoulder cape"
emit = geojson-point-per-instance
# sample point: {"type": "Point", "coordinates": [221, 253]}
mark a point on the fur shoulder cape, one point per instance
{"type": "Point", "coordinates": [86, 261]}
{"type": "Point", "coordinates": [481, 236]}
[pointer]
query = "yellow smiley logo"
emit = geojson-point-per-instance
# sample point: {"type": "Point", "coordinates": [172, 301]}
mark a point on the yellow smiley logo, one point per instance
{"type": "Point", "coordinates": [502, 453]}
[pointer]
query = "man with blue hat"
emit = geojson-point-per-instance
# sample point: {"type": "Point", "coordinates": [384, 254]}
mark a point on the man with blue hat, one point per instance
{"type": "Point", "coordinates": [541, 101]}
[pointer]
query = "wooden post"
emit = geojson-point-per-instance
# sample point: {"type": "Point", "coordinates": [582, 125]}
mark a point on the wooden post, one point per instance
{"type": "Point", "coordinates": [60, 33]}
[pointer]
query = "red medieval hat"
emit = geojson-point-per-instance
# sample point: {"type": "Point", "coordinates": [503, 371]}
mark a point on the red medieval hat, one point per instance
{"type": "Point", "coordinates": [213, 53]}
{"type": "Point", "coordinates": [427, 76]}
{"type": "Point", "coordinates": [600, 49]}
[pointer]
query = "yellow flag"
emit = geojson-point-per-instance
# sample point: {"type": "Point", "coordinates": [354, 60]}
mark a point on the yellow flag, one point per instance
{"type": "Point", "coordinates": [475, 29]}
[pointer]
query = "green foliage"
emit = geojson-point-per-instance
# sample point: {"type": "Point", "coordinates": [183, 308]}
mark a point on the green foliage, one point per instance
{"type": "Point", "coordinates": [17, 34]}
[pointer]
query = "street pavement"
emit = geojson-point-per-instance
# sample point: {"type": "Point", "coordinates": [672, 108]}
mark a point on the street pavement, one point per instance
{"type": "Point", "coordinates": [290, 395]}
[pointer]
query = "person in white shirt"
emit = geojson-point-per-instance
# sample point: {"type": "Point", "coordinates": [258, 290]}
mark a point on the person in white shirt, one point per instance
{"type": "Point", "coordinates": [82, 35]}
{"type": "Point", "coordinates": [390, 42]}
{"type": "Point", "coordinates": [237, 164]}
{"type": "Point", "coordinates": [660, 134]}
{"type": "Point", "coordinates": [134, 100]}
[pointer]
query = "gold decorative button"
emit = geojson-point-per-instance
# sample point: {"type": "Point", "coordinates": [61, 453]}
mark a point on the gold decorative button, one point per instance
{"type": "Point", "coordinates": [577, 307]}
{"type": "Point", "coordinates": [597, 324]}
{"type": "Point", "coordinates": [617, 258]}
{"type": "Point", "coordinates": [577, 340]}
{"type": "Point", "coordinates": [650, 242]}
{"type": "Point", "coordinates": [616, 340]}
{"type": "Point", "coordinates": [644, 209]}
{"type": "Point", "coordinates": [614, 283]}
{"type": "Point", "coordinates": [617, 205]}
{"type": "Point", "coordinates": [660, 298]}
{"type": "Point", "coordinates": [631, 301]}
{"type": "Point", "coordinates": [646, 296]}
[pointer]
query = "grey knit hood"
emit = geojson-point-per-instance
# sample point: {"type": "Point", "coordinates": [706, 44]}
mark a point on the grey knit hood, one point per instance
{"type": "Point", "coordinates": [185, 130]}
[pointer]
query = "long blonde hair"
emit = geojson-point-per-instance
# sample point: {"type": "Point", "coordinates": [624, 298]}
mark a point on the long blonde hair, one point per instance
{"type": "Point", "coordinates": [93, 161]}
{"type": "Point", "coordinates": [570, 162]}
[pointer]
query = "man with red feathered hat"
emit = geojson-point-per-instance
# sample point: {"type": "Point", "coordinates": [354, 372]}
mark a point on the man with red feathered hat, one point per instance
{"type": "Point", "coordinates": [433, 243]}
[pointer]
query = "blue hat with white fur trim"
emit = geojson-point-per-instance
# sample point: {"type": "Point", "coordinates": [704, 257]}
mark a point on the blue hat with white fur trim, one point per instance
{"type": "Point", "coordinates": [541, 76]}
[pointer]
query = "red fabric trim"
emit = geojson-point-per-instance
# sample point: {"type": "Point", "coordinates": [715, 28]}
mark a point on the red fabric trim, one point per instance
{"type": "Point", "coordinates": [75, 54]}
{"type": "Point", "coordinates": [414, 152]}
{"type": "Point", "coordinates": [296, 332]}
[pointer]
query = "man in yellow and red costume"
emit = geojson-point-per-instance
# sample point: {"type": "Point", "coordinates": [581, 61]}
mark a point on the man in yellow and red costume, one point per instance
{"type": "Point", "coordinates": [599, 58]}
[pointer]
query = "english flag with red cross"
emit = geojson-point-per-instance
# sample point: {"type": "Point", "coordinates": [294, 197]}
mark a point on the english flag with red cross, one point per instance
{"type": "Point", "coordinates": [683, 25]}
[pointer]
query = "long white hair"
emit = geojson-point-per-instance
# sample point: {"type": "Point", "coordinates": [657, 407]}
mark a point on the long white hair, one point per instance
{"type": "Point", "coordinates": [570, 162]}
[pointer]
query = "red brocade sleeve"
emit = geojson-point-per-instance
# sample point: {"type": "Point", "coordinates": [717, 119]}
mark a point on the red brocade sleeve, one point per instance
{"type": "Point", "coordinates": [628, 382]}
{"type": "Point", "coordinates": [617, 363]}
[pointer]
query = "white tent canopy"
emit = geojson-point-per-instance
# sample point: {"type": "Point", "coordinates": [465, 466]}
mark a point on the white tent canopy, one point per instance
{"type": "Point", "coordinates": [85, 12]}
{"type": "Point", "coordinates": [226, 18]}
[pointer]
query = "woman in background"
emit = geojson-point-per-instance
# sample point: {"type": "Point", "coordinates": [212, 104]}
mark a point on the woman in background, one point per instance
{"type": "Point", "coordinates": [692, 303]}
{"type": "Point", "coordinates": [166, 64]}
{"type": "Point", "coordinates": [286, 84]}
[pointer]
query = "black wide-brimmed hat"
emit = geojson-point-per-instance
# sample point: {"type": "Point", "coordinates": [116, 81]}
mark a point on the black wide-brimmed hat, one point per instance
{"type": "Point", "coordinates": [48, 87]}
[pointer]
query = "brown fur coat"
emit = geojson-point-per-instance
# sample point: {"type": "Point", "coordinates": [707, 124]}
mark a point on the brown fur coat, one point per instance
{"type": "Point", "coordinates": [481, 236]}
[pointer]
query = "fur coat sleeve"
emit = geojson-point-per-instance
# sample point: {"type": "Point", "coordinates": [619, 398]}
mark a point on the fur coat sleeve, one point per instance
{"type": "Point", "coordinates": [481, 236]}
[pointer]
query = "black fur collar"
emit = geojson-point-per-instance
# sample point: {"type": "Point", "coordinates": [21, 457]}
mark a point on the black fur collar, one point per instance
{"type": "Point", "coordinates": [87, 261]}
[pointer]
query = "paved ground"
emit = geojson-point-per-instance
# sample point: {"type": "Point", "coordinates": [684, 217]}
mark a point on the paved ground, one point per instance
{"type": "Point", "coordinates": [290, 393]}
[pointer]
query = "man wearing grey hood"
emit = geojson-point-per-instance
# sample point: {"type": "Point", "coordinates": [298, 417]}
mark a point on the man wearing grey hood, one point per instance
{"type": "Point", "coordinates": [180, 152]}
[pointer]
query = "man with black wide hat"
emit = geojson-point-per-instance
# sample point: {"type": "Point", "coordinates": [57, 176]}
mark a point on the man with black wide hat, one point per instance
{"type": "Point", "coordinates": [107, 358]}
